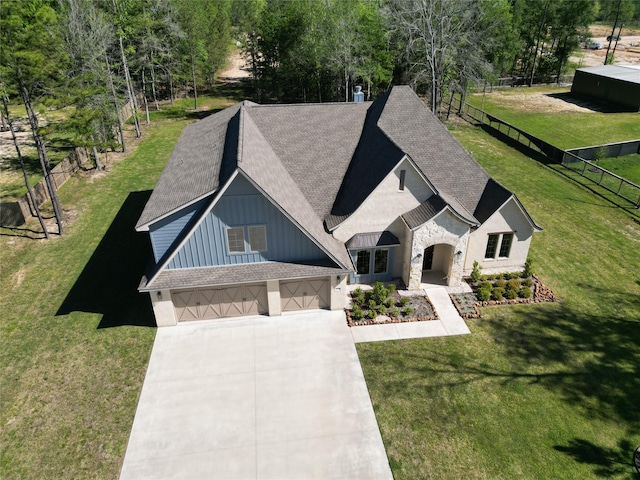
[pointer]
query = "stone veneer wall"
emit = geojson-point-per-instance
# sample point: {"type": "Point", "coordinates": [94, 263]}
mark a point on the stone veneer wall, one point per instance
{"type": "Point", "coordinates": [443, 229]}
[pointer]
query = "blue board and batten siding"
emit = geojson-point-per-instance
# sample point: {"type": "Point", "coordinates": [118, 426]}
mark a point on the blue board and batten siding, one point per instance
{"type": "Point", "coordinates": [242, 206]}
{"type": "Point", "coordinates": [165, 232]}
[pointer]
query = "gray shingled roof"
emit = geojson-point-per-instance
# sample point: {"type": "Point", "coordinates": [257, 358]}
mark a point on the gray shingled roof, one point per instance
{"type": "Point", "coordinates": [194, 166]}
{"type": "Point", "coordinates": [257, 159]}
{"type": "Point", "coordinates": [447, 165]}
{"type": "Point", "coordinates": [319, 162]}
{"type": "Point", "coordinates": [235, 274]}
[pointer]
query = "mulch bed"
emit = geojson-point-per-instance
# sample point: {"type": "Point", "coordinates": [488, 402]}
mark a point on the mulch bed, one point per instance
{"type": "Point", "coordinates": [467, 304]}
{"type": "Point", "coordinates": [422, 311]}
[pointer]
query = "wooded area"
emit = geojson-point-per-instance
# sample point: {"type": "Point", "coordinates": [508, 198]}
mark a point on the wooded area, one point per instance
{"type": "Point", "coordinates": [91, 57]}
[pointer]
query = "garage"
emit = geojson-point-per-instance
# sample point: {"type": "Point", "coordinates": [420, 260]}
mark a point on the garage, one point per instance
{"type": "Point", "coordinates": [304, 294]}
{"type": "Point", "coordinates": [210, 303]}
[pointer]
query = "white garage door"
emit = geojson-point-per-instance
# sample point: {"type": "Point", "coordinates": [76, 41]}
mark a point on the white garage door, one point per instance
{"type": "Point", "coordinates": [304, 294]}
{"type": "Point", "coordinates": [208, 303]}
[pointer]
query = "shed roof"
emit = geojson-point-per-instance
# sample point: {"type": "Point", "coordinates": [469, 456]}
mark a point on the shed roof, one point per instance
{"type": "Point", "coordinates": [625, 73]}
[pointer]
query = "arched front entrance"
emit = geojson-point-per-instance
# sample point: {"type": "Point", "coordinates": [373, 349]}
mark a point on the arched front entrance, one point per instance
{"type": "Point", "coordinates": [437, 261]}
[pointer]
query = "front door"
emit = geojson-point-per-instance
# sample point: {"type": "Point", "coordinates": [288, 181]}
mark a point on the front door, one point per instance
{"type": "Point", "coordinates": [427, 259]}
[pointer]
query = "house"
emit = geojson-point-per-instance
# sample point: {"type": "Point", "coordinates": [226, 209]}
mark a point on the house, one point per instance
{"type": "Point", "coordinates": [263, 209]}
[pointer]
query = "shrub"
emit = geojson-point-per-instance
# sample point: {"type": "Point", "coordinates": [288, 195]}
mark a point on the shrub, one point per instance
{"type": "Point", "coordinates": [394, 312]}
{"type": "Point", "coordinates": [499, 283]}
{"type": "Point", "coordinates": [527, 282]}
{"type": "Point", "coordinates": [357, 313]}
{"type": "Point", "coordinates": [368, 295]}
{"type": "Point", "coordinates": [391, 288]}
{"type": "Point", "coordinates": [511, 294]}
{"type": "Point", "coordinates": [359, 299]}
{"type": "Point", "coordinates": [511, 275]}
{"type": "Point", "coordinates": [483, 294]}
{"type": "Point", "coordinates": [404, 301]}
{"type": "Point", "coordinates": [380, 293]}
{"type": "Point", "coordinates": [484, 278]}
{"type": "Point", "coordinates": [356, 292]}
{"type": "Point", "coordinates": [382, 309]}
{"type": "Point", "coordinates": [485, 286]}
{"type": "Point", "coordinates": [371, 314]}
{"type": "Point", "coordinates": [528, 268]}
{"type": "Point", "coordinates": [513, 285]}
{"type": "Point", "coordinates": [475, 273]}
{"type": "Point", "coordinates": [373, 305]}
{"type": "Point", "coordinates": [390, 302]}
{"type": "Point", "coordinates": [494, 276]}
{"type": "Point", "coordinates": [407, 311]}
{"type": "Point", "coordinates": [524, 292]}
{"type": "Point", "coordinates": [497, 293]}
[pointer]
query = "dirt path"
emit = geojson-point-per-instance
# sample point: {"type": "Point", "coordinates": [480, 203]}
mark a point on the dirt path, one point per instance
{"type": "Point", "coordinates": [237, 69]}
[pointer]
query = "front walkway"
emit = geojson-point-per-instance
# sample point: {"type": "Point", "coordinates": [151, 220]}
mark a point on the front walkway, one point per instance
{"type": "Point", "coordinates": [256, 398]}
{"type": "Point", "coordinates": [449, 320]}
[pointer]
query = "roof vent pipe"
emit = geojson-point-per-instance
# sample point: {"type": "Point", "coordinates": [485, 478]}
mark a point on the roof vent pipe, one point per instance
{"type": "Point", "coordinates": [358, 95]}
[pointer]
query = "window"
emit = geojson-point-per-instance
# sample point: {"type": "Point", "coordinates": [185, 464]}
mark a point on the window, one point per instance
{"type": "Point", "coordinates": [505, 246]}
{"type": "Point", "coordinates": [235, 239]}
{"type": "Point", "coordinates": [403, 174]}
{"type": "Point", "coordinates": [257, 238]}
{"type": "Point", "coordinates": [503, 240]}
{"type": "Point", "coordinates": [363, 258]}
{"type": "Point", "coordinates": [380, 261]}
{"type": "Point", "coordinates": [492, 246]}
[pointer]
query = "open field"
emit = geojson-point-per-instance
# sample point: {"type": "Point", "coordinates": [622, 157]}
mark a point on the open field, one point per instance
{"type": "Point", "coordinates": [538, 391]}
{"type": "Point", "coordinates": [74, 331]}
{"type": "Point", "coordinates": [553, 115]}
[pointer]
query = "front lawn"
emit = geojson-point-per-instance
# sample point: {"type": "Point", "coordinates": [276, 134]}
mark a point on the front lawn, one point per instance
{"type": "Point", "coordinates": [536, 391]}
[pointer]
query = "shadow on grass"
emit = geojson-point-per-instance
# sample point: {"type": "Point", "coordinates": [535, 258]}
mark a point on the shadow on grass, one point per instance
{"type": "Point", "coordinates": [515, 144]}
{"type": "Point", "coordinates": [607, 462]}
{"type": "Point", "coordinates": [591, 362]}
{"type": "Point", "coordinates": [108, 284]}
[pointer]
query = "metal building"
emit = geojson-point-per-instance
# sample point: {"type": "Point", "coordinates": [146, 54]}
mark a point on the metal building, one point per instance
{"type": "Point", "coordinates": [615, 84]}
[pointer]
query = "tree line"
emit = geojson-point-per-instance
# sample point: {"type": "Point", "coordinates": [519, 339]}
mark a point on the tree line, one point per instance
{"type": "Point", "coordinates": [94, 57]}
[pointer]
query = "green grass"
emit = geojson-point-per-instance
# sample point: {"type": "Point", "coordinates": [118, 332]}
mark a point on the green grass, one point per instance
{"type": "Point", "coordinates": [562, 129]}
{"type": "Point", "coordinates": [626, 167]}
{"type": "Point", "coordinates": [74, 331]}
{"type": "Point", "coordinates": [537, 391]}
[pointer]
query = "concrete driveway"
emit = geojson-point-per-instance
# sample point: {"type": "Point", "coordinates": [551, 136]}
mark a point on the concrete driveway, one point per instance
{"type": "Point", "coordinates": [256, 398]}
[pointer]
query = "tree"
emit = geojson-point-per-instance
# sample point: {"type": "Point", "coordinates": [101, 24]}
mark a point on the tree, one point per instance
{"type": "Point", "coordinates": [443, 43]}
{"type": "Point", "coordinates": [32, 60]}
{"type": "Point", "coordinates": [33, 204]}
{"type": "Point", "coordinates": [90, 90]}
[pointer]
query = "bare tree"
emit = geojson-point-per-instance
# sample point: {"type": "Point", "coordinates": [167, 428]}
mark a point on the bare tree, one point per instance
{"type": "Point", "coordinates": [444, 42]}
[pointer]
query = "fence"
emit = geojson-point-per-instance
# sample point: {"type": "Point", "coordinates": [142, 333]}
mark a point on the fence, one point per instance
{"type": "Point", "coordinates": [614, 183]}
{"type": "Point", "coordinates": [571, 159]}
{"type": "Point", "coordinates": [517, 134]}
{"type": "Point", "coordinates": [538, 80]}
{"type": "Point", "coordinates": [17, 212]}
{"type": "Point", "coordinates": [609, 150]}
